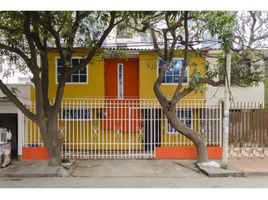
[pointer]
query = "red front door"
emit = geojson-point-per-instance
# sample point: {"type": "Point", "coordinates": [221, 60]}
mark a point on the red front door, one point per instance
{"type": "Point", "coordinates": [121, 90]}
{"type": "Point", "coordinates": [122, 78]}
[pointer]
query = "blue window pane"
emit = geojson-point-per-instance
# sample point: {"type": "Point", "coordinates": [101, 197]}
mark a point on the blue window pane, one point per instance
{"type": "Point", "coordinates": [161, 63]}
{"type": "Point", "coordinates": [79, 76]}
{"type": "Point", "coordinates": [185, 117]}
{"type": "Point", "coordinates": [168, 79]}
{"type": "Point", "coordinates": [176, 79]}
{"type": "Point", "coordinates": [75, 78]}
{"type": "Point", "coordinates": [59, 70]}
{"type": "Point", "coordinates": [169, 71]}
{"type": "Point", "coordinates": [59, 62]}
{"type": "Point", "coordinates": [75, 62]}
{"type": "Point", "coordinates": [176, 70]}
{"type": "Point", "coordinates": [76, 113]}
{"type": "Point", "coordinates": [185, 79]}
{"type": "Point", "coordinates": [83, 71]}
{"type": "Point", "coordinates": [83, 78]}
{"type": "Point", "coordinates": [173, 71]}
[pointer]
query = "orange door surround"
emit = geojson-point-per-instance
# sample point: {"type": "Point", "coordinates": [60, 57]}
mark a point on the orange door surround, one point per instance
{"type": "Point", "coordinates": [118, 111]}
{"type": "Point", "coordinates": [130, 78]}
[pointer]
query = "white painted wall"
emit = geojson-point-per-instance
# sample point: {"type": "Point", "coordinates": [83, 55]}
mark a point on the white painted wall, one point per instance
{"type": "Point", "coordinates": [9, 107]}
{"type": "Point", "coordinates": [240, 94]}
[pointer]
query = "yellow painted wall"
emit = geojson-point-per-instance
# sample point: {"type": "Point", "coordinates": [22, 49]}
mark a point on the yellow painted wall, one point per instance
{"type": "Point", "coordinates": [95, 85]}
{"type": "Point", "coordinates": [93, 88]}
{"type": "Point", "coordinates": [148, 75]}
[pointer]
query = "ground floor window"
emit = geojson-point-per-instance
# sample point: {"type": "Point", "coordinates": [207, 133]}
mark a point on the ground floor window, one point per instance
{"type": "Point", "coordinates": [76, 113]}
{"type": "Point", "coordinates": [185, 115]}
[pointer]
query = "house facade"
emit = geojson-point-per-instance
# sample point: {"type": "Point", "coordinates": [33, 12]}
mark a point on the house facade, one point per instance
{"type": "Point", "coordinates": [109, 110]}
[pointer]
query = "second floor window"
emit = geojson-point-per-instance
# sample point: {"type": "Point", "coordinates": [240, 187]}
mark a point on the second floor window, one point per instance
{"type": "Point", "coordinates": [173, 71]}
{"type": "Point", "coordinates": [79, 77]}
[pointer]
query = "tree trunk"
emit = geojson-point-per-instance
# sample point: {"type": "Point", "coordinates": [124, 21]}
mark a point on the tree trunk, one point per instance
{"type": "Point", "coordinates": [197, 138]}
{"type": "Point", "coordinates": [202, 154]}
{"type": "Point", "coordinates": [170, 111]}
{"type": "Point", "coordinates": [52, 138]}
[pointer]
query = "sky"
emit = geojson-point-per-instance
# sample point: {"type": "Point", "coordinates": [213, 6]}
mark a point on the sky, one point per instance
{"type": "Point", "coordinates": [133, 5]}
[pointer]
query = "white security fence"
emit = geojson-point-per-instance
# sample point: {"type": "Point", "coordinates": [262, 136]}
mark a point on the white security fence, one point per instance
{"type": "Point", "coordinates": [128, 128]}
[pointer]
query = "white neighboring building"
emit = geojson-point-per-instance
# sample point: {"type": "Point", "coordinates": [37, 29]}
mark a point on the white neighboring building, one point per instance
{"type": "Point", "coordinates": [240, 94]}
{"type": "Point", "coordinates": [10, 116]}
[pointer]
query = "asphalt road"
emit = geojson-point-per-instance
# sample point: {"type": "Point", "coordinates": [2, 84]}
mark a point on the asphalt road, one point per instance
{"type": "Point", "coordinates": [134, 182]}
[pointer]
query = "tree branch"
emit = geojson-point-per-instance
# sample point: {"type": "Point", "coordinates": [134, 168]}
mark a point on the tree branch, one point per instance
{"type": "Point", "coordinates": [17, 51]}
{"type": "Point", "coordinates": [64, 77]}
{"type": "Point", "coordinates": [176, 95]}
{"type": "Point", "coordinates": [17, 102]}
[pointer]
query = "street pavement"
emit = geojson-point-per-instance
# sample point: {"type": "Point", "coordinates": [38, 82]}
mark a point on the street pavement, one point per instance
{"type": "Point", "coordinates": [134, 182]}
{"type": "Point", "coordinates": [131, 174]}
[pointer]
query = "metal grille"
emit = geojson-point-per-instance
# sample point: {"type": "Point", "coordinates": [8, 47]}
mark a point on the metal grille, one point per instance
{"type": "Point", "coordinates": [127, 128]}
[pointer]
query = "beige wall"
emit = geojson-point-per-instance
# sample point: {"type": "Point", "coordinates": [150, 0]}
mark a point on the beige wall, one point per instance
{"type": "Point", "coordinates": [240, 94]}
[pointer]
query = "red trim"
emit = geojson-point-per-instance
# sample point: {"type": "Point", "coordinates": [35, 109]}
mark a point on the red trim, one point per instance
{"type": "Point", "coordinates": [186, 152]}
{"type": "Point", "coordinates": [34, 153]}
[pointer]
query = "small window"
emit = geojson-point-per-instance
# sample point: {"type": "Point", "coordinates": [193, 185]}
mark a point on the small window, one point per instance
{"type": "Point", "coordinates": [173, 71]}
{"type": "Point", "coordinates": [120, 81]}
{"type": "Point", "coordinates": [76, 113]}
{"type": "Point", "coordinates": [185, 116]}
{"type": "Point", "coordinates": [79, 77]}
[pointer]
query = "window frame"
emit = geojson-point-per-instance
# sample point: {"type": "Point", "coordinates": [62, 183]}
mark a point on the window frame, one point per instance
{"type": "Point", "coordinates": [175, 83]}
{"type": "Point", "coordinates": [168, 125]}
{"type": "Point", "coordinates": [70, 83]}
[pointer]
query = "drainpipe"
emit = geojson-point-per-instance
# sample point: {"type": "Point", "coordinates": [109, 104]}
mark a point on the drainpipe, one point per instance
{"type": "Point", "coordinates": [225, 136]}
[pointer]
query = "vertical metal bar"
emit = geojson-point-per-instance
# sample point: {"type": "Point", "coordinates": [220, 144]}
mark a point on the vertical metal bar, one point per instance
{"type": "Point", "coordinates": [99, 128]}
{"type": "Point", "coordinates": [96, 139]}
{"type": "Point", "coordinates": [220, 136]}
{"type": "Point", "coordinates": [155, 131]}
{"type": "Point", "coordinates": [84, 127]}
{"type": "Point", "coordinates": [102, 129]}
{"type": "Point", "coordinates": [129, 132]}
{"type": "Point", "coordinates": [126, 129]}
{"type": "Point", "coordinates": [110, 127]}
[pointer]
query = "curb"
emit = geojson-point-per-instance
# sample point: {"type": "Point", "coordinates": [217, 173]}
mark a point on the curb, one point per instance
{"type": "Point", "coordinates": [254, 174]}
{"type": "Point", "coordinates": [214, 172]}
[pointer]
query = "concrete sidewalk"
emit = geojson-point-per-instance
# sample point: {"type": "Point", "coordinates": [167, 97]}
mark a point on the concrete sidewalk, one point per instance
{"type": "Point", "coordinates": [40, 168]}
{"type": "Point", "coordinates": [237, 168]}
{"type": "Point", "coordinates": [251, 167]}
{"type": "Point", "coordinates": [135, 168]}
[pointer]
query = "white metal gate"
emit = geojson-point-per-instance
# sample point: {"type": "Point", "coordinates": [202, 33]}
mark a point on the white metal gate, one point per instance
{"type": "Point", "coordinates": [128, 128]}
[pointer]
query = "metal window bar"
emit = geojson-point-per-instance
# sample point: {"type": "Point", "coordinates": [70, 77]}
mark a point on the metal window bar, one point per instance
{"type": "Point", "coordinates": [126, 129]}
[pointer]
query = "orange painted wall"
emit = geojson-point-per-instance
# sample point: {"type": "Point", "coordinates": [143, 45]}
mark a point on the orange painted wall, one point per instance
{"type": "Point", "coordinates": [186, 152]}
{"type": "Point", "coordinates": [34, 153]}
{"type": "Point", "coordinates": [130, 77]}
